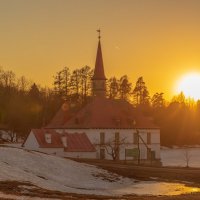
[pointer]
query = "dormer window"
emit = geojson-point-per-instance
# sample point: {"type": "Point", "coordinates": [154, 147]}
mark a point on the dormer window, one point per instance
{"type": "Point", "coordinates": [48, 138]}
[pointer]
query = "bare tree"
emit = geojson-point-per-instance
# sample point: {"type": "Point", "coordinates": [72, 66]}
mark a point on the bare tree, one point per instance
{"type": "Point", "coordinates": [66, 82]}
{"type": "Point", "coordinates": [112, 147]}
{"type": "Point", "coordinates": [12, 135]}
{"type": "Point", "coordinates": [23, 84]}
{"type": "Point", "coordinates": [75, 82]}
{"type": "Point", "coordinates": [58, 81]}
{"type": "Point", "coordinates": [187, 156]}
{"type": "Point", "coordinates": [7, 78]}
{"type": "Point", "coordinates": [85, 82]}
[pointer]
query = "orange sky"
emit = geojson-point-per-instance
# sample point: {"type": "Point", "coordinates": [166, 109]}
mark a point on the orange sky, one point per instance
{"type": "Point", "coordinates": [156, 39]}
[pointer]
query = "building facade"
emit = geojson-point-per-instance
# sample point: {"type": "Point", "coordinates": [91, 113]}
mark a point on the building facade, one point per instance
{"type": "Point", "coordinates": [104, 129]}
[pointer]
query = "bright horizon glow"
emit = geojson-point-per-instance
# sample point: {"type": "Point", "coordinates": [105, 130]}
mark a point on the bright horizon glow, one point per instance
{"type": "Point", "coordinates": [139, 38]}
{"type": "Point", "coordinates": [189, 84]}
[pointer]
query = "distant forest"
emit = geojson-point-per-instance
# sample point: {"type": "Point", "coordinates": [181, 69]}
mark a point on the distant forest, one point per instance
{"type": "Point", "coordinates": [25, 105]}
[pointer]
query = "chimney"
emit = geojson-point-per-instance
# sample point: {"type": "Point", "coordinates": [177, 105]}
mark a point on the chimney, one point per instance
{"type": "Point", "coordinates": [64, 140]}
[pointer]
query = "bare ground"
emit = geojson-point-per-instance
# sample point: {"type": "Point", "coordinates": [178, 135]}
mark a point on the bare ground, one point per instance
{"type": "Point", "coordinates": [15, 188]}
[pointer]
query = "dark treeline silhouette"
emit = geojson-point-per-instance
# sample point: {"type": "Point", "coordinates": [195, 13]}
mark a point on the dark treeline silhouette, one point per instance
{"type": "Point", "coordinates": [25, 105]}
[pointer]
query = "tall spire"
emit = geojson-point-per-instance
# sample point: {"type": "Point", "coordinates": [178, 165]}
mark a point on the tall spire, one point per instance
{"type": "Point", "coordinates": [99, 78]}
{"type": "Point", "coordinates": [99, 68]}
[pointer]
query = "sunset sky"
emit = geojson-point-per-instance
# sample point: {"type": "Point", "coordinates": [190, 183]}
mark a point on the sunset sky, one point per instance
{"type": "Point", "coordinates": [156, 39]}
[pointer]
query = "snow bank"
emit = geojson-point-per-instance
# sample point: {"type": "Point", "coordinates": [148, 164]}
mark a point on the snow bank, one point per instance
{"type": "Point", "coordinates": [55, 173]}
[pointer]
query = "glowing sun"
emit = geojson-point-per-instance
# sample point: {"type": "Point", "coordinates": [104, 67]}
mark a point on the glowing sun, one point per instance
{"type": "Point", "coordinates": [190, 85]}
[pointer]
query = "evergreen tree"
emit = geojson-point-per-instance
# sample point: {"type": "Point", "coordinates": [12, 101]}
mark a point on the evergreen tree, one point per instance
{"type": "Point", "coordinates": [34, 92]}
{"type": "Point", "coordinates": [124, 87]}
{"type": "Point", "coordinates": [113, 88]}
{"type": "Point", "coordinates": [157, 100]}
{"type": "Point", "coordinates": [140, 92]}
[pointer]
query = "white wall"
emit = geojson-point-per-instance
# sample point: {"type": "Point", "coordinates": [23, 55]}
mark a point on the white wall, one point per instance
{"type": "Point", "coordinates": [31, 142]}
{"type": "Point", "coordinates": [128, 134]}
{"type": "Point", "coordinates": [94, 136]}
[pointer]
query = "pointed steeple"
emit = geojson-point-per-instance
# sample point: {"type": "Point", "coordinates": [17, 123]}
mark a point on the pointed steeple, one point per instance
{"type": "Point", "coordinates": [99, 68]}
{"type": "Point", "coordinates": [99, 78]}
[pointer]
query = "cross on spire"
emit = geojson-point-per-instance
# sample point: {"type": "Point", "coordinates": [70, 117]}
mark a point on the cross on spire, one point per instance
{"type": "Point", "coordinates": [99, 31]}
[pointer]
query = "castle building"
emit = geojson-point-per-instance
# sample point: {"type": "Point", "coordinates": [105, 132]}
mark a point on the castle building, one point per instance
{"type": "Point", "coordinates": [103, 129]}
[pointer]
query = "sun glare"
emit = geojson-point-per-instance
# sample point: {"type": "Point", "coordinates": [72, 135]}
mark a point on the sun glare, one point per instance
{"type": "Point", "coordinates": [190, 85]}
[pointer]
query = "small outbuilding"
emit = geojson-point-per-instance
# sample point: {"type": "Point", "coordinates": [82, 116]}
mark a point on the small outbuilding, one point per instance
{"type": "Point", "coordinates": [63, 144]}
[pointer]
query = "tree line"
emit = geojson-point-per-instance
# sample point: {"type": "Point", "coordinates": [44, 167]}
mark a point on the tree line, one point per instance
{"type": "Point", "coordinates": [25, 105]}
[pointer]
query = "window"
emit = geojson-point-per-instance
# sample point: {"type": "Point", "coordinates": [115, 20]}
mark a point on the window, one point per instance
{"type": "Point", "coordinates": [102, 154]}
{"type": "Point", "coordinates": [117, 138]}
{"type": "Point", "coordinates": [102, 138]}
{"type": "Point", "coordinates": [135, 138]}
{"type": "Point", "coordinates": [148, 138]}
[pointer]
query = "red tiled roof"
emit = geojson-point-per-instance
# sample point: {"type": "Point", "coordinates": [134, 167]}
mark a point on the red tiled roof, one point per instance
{"type": "Point", "coordinates": [79, 142]}
{"type": "Point", "coordinates": [106, 113]}
{"type": "Point", "coordinates": [76, 142]}
{"type": "Point", "coordinates": [99, 68]}
{"type": "Point", "coordinates": [56, 141]}
{"type": "Point", "coordinates": [61, 117]}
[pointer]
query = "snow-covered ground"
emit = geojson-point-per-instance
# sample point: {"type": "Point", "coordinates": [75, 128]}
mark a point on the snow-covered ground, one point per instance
{"type": "Point", "coordinates": [177, 156]}
{"type": "Point", "coordinates": [55, 173]}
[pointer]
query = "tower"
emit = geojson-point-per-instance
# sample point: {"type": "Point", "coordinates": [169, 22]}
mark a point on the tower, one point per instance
{"type": "Point", "coordinates": [99, 79]}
